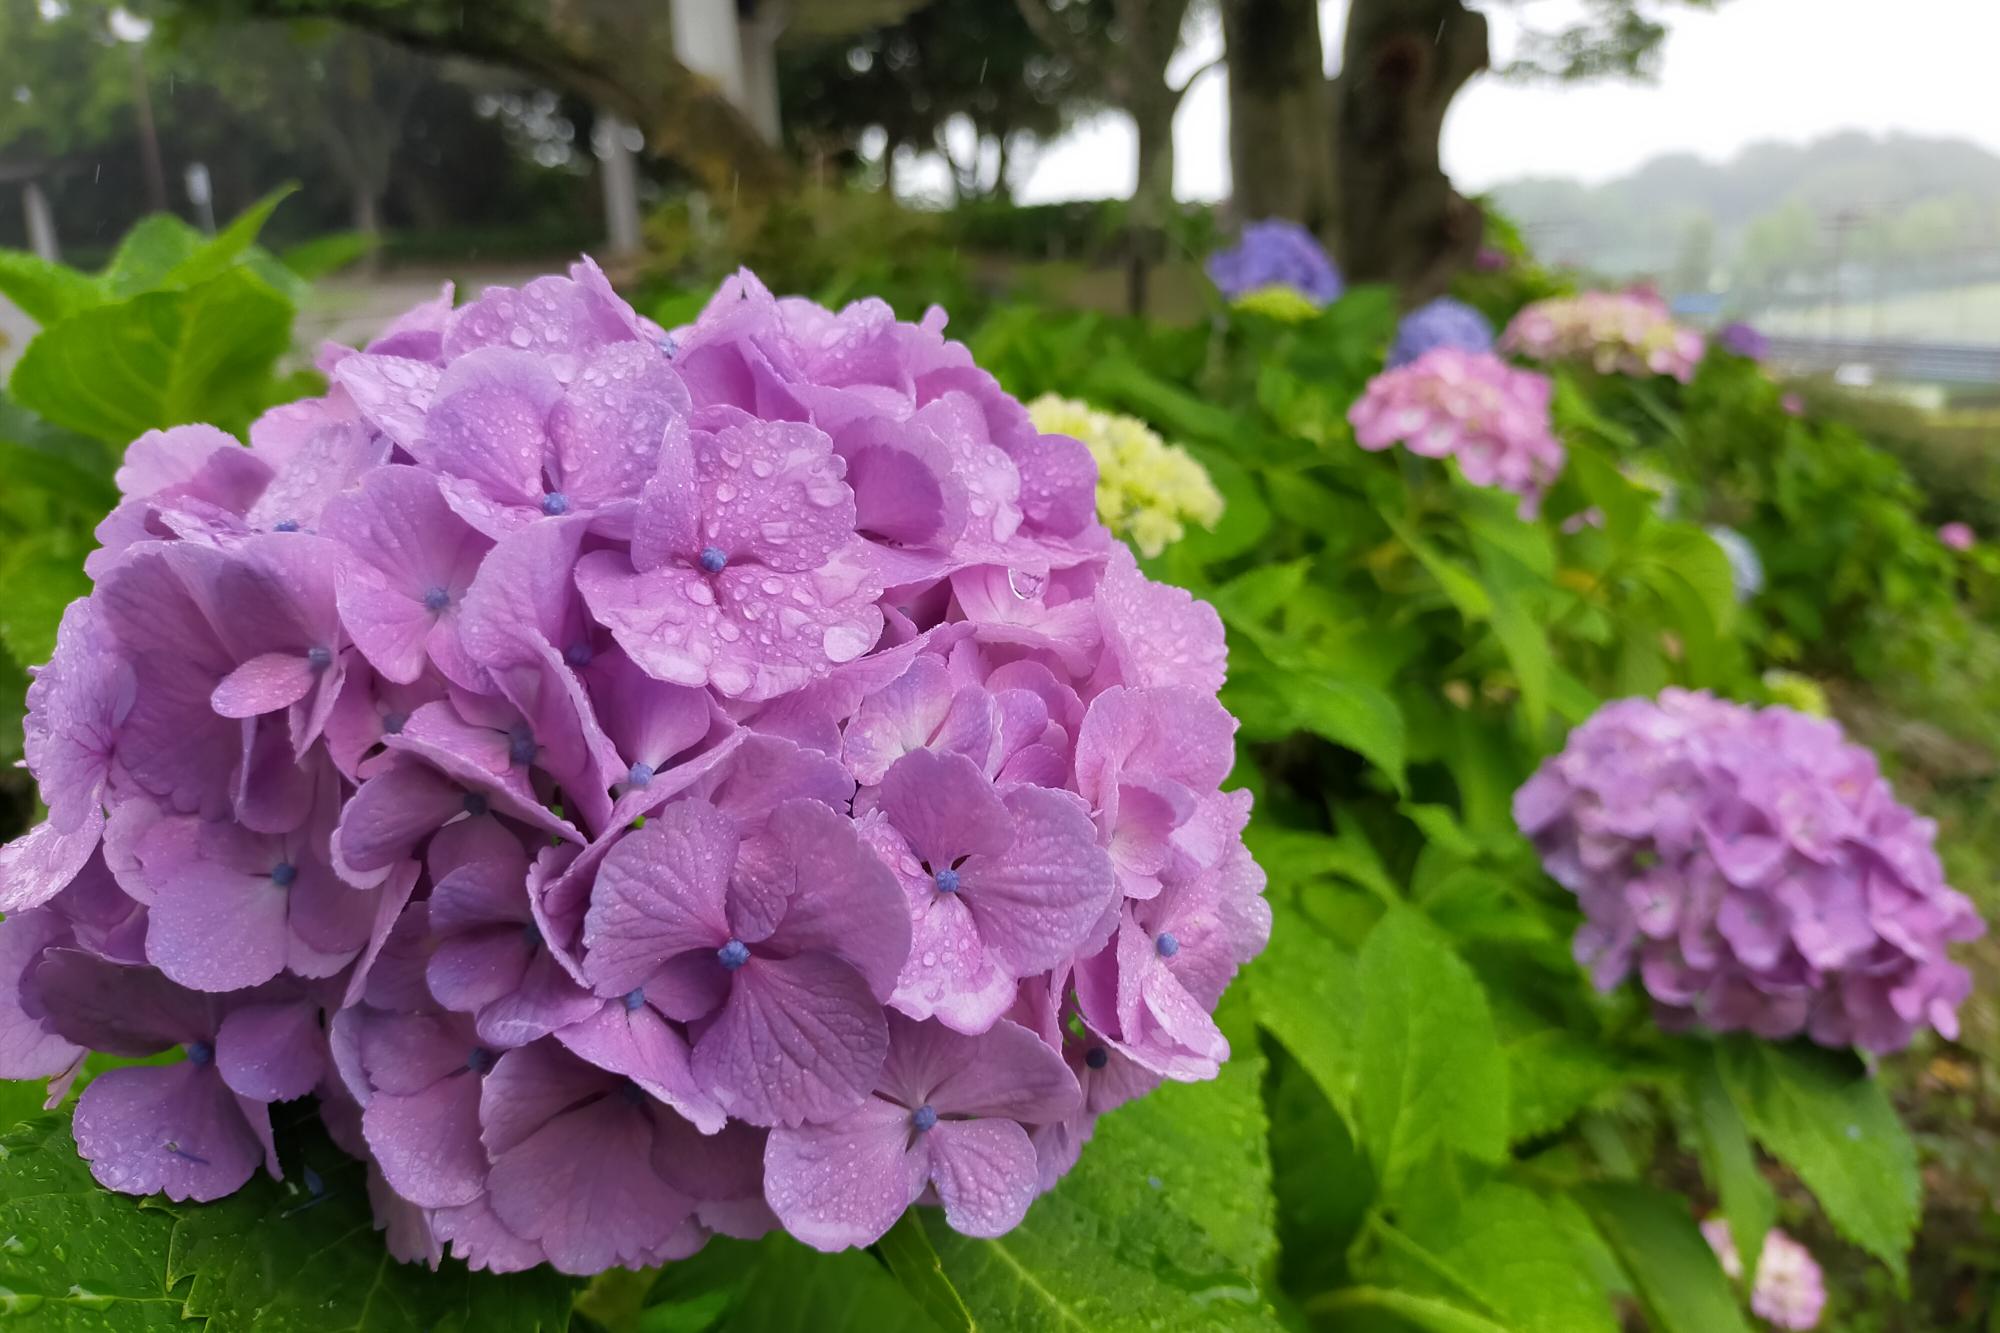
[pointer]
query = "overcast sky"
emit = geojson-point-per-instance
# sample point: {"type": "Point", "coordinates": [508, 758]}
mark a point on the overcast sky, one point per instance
{"type": "Point", "coordinates": [1790, 70]}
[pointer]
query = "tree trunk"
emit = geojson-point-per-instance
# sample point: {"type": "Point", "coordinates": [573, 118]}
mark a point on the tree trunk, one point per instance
{"type": "Point", "coordinates": [617, 54]}
{"type": "Point", "coordinates": [149, 133]}
{"type": "Point", "coordinates": [367, 211]}
{"type": "Point", "coordinates": [1153, 193]}
{"type": "Point", "coordinates": [1280, 112]}
{"type": "Point", "coordinates": [1396, 218]}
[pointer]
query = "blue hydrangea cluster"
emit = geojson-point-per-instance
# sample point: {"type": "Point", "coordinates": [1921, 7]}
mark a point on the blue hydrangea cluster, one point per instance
{"type": "Point", "coordinates": [1440, 323]}
{"type": "Point", "coordinates": [1276, 253]}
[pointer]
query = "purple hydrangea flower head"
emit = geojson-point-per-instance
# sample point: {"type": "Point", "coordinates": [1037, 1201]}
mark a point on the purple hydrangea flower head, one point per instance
{"type": "Point", "coordinates": [1740, 339]}
{"type": "Point", "coordinates": [950, 1113]}
{"type": "Point", "coordinates": [1616, 333]}
{"type": "Point", "coordinates": [1276, 253]}
{"type": "Point", "coordinates": [646, 787]}
{"type": "Point", "coordinates": [1439, 323]}
{"type": "Point", "coordinates": [1789, 1291]}
{"type": "Point", "coordinates": [1754, 868]}
{"type": "Point", "coordinates": [1472, 407]}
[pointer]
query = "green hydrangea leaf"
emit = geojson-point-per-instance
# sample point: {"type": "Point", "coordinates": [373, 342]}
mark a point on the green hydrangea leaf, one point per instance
{"type": "Point", "coordinates": [45, 292]}
{"type": "Point", "coordinates": [1730, 1164]}
{"type": "Point", "coordinates": [159, 359]}
{"type": "Point", "coordinates": [1430, 1072]}
{"type": "Point", "coordinates": [1304, 991]}
{"type": "Point", "coordinates": [1168, 1211]}
{"type": "Point", "coordinates": [797, 1291]}
{"type": "Point", "coordinates": [75, 1257]}
{"type": "Point", "coordinates": [282, 1257]}
{"type": "Point", "coordinates": [908, 1252]}
{"type": "Point", "coordinates": [1672, 1269]}
{"type": "Point", "coordinates": [1505, 1250]}
{"type": "Point", "coordinates": [157, 244]}
{"type": "Point", "coordinates": [1822, 1115]}
{"type": "Point", "coordinates": [42, 576]}
{"type": "Point", "coordinates": [297, 1256]}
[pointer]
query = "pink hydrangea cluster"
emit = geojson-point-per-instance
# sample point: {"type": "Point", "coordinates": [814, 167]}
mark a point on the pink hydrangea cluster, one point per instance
{"type": "Point", "coordinates": [1452, 402]}
{"type": "Point", "coordinates": [1756, 870]}
{"type": "Point", "coordinates": [644, 786]}
{"type": "Point", "coordinates": [1789, 1291]}
{"type": "Point", "coordinates": [1616, 333]}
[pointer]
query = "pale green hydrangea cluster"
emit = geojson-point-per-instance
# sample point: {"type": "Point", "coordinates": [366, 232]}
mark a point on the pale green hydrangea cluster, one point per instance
{"type": "Point", "coordinates": [1147, 490]}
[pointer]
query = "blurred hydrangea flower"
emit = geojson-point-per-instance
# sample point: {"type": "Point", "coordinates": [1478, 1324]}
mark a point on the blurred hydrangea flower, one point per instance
{"type": "Point", "coordinates": [1958, 536]}
{"type": "Point", "coordinates": [1147, 489]}
{"type": "Point", "coordinates": [1276, 253]}
{"type": "Point", "coordinates": [1441, 323]}
{"type": "Point", "coordinates": [1746, 567]}
{"type": "Point", "coordinates": [646, 787]}
{"type": "Point", "coordinates": [1790, 1290]}
{"type": "Point", "coordinates": [1470, 406]}
{"type": "Point", "coordinates": [1625, 333]}
{"type": "Point", "coordinates": [1666, 493]}
{"type": "Point", "coordinates": [1754, 868]}
{"type": "Point", "coordinates": [1800, 693]}
{"type": "Point", "coordinates": [1743, 340]}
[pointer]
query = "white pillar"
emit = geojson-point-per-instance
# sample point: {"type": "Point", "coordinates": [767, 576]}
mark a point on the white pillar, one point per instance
{"type": "Point", "coordinates": [760, 67]}
{"type": "Point", "coordinates": [706, 41]}
{"type": "Point", "coordinates": [41, 222]}
{"type": "Point", "coordinates": [621, 184]}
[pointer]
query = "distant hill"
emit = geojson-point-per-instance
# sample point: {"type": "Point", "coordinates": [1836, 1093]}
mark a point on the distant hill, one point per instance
{"type": "Point", "coordinates": [1904, 210]}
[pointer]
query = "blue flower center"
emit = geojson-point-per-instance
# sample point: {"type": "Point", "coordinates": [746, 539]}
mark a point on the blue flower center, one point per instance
{"type": "Point", "coordinates": [283, 873]}
{"type": "Point", "coordinates": [436, 599]}
{"type": "Point", "coordinates": [641, 775]}
{"type": "Point", "coordinates": [634, 998]}
{"type": "Point", "coordinates": [531, 934]}
{"type": "Point", "coordinates": [480, 1060]}
{"type": "Point", "coordinates": [669, 346]}
{"type": "Point", "coordinates": [1097, 1057]}
{"type": "Point", "coordinates": [319, 657]}
{"type": "Point", "coordinates": [923, 1119]}
{"type": "Point", "coordinates": [714, 559]}
{"type": "Point", "coordinates": [947, 880]}
{"type": "Point", "coordinates": [632, 1092]}
{"type": "Point", "coordinates": [733, 954]}
{"type": "Point", "coordinates": [1167, 944]}
{"type": "Point", "coordinates": [477, 805]}
{"type": "Point", "coordinates": [555, 503]}
{"type": "Point", "coordinates": [392, 723]}
{"type": "Point", "coordinates": [521, 746]}
{"type": "Point", "coordinates": [578, 654]}
{"type": "Point", "coordinates": [288, 525]}
{"type": "Point", "coordinates": [200, 1052]}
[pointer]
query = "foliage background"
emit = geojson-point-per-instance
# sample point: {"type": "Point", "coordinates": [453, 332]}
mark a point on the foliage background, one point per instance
{"type": "Point", "coordinates": [1430, 1121]}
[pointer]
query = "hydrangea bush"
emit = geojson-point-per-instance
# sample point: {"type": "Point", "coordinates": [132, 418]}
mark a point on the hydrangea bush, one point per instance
{"type": "Point", "coordinates": [1789, 1290]}
{"type": "Point", "coordinates": [1470, 406]}
{"type": "Point", "coordinates": [1439, 323]}
{"type": "Point", "coordinates": [1622, 333]}
{"type": "Point", "coordinates": [1276, 252]}
{"type": "Point", "coordinates": [1148, 491]}
{"type": "Point", "coordinates": [603, 868]}
{"type": "Point", "coordinates": [1754, 869]}
{"type": "Point", "coordinates": [646, 786]}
